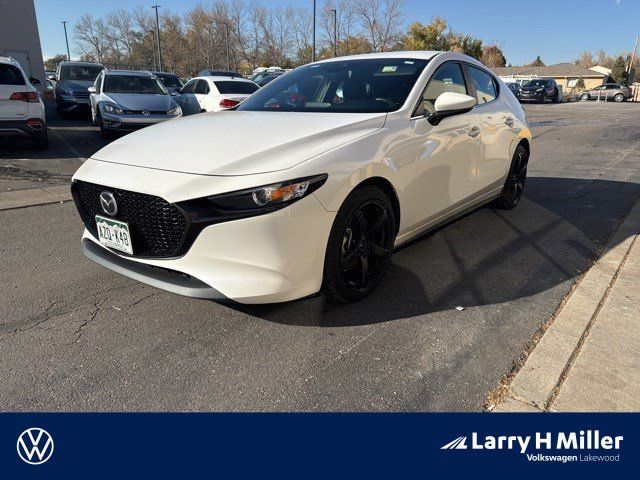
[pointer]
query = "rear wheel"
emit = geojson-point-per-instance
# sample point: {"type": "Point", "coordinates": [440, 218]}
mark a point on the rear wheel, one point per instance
{"type": "Point", "coordinates": [41, 140]}
{"type": "Point", "coordinates": [360, 245]}
{"type": "Point", "coordinates": [514, 185]}
{"type": "Point", "coordinates": [619, 98]}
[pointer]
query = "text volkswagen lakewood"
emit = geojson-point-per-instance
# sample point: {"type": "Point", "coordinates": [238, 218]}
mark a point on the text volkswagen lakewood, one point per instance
{"type": "Point", "coordinates": [310, 182]}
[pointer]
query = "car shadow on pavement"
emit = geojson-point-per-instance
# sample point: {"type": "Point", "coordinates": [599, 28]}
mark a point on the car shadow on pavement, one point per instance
{"type": "Point", "coordinates": [487, 257]}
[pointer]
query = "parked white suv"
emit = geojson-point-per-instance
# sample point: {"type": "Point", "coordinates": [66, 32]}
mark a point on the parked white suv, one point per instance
{"type": "Point", "coordinates": [21, 108]}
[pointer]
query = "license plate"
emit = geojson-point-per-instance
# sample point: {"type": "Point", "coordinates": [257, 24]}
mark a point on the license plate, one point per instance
{"type": "Point", "coordinates": [114, 234]}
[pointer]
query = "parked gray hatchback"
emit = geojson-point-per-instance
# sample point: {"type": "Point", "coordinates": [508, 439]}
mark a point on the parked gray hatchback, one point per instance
{"type": "Point", "coordinates": [608, 91]}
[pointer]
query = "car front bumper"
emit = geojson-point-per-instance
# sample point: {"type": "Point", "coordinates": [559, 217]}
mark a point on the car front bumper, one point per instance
{"type": "Point", "coordinates": [132, 121]}
{"type": "Point", "coordinates": [532, 97]}
{"type": "Point", "coordinates": [72, 104]}
{"type": "Point", "coordinates": [270, 258]}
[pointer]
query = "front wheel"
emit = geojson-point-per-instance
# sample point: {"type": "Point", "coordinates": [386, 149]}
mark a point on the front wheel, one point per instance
{"type": "Point", "coordinates": [360, 245]}
{"type": "Point", "coordinates": [584, 97]}
{"type": "Point", "coordinates": [514, 185]}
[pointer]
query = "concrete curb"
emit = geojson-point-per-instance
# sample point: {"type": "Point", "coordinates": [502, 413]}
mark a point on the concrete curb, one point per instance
{"type": "Point", "coordinates": [34, 196]}
{"type": "Point", "coordinates": [536, 384]}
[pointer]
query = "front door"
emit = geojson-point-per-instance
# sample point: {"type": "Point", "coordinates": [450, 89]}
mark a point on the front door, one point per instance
{"type": "Point", "coordinates": [447, 153]}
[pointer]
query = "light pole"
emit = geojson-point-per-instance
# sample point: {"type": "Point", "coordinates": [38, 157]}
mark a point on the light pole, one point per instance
{"type": "Point", "coordinates": [66, 38]}
{"type": "Point", "coordinates": [335, 32]}
{"type": "Point", "coordinates": [153, 49]}
{"type": "Point", "coordinates": [313, 48]}
{"type": "Point", "coordinates": [156, 7]}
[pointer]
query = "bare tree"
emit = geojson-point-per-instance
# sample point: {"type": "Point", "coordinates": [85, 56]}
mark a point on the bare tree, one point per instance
{"type": "Point", "coordinates": [381, 21]}
{"type": "Point", "coordinates": [90, 37]}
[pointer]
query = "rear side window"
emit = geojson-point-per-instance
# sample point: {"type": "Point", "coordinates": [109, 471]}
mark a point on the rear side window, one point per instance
{"type": "Point", "coordinates": [189, 87]}
{"type": "Point", "coordinates": [10, 75]}
{"type": "Point", "coordinates": [201, 87]}
{"type": "Point", "coordinates": [448, 78]}
{"type": "Point", "coordinates": [245, 88]}
{"type": "Point", "coordinates": [486, 89]}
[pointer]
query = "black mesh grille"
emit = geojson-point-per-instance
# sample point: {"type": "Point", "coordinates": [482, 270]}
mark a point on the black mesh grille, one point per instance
{"type": "Point", "coordinates": [158, 228]}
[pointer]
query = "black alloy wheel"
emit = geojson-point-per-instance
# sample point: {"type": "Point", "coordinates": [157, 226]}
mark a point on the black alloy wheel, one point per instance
{"type": "Point", "coordinates": [516, 180]}
{"type": "Point", "coordinates": [360, 245]}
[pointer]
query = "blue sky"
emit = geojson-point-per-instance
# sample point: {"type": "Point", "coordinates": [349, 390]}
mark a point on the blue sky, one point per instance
{"type": "Point", "coordinates": [556, 30]}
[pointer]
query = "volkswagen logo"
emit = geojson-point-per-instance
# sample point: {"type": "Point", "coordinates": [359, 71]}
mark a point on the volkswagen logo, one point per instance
{"type": "Point", "coordinates": [146, 113]}
{"type": "Point", "coordinates": [108, 203]}
{"type": "Point", "coordinates": [35, 446]}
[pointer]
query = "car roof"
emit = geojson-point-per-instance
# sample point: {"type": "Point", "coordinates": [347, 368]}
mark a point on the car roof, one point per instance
{"type": "Point", "coordinates": [132, 73]}
{"type": "Point", "coordinates": [418, 55]}
{"type": "Point", "coordinates": [163, 73]}
{"type": "Point", "coordinates": [88, 64]}
{"type": "Point", "coordinates": [220, 78]}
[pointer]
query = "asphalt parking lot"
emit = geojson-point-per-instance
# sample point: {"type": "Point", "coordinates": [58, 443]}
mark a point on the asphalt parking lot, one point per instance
{"type": "Point", "coordinates": [74, 336]}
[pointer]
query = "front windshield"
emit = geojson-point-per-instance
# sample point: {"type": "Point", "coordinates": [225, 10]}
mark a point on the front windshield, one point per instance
{"type": "Point", "coordinates": [142, 85]}
{"type": "Point", "coordinates": [169, 80]}
{"type": "Point", "coordinates": [363, 86]}
{"type": "Point", "coordinates": [536, 83]}
{"type": "Point", "coordinates": [83, 73]}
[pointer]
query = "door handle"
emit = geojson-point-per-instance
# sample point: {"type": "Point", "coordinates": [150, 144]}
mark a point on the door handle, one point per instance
{"type": "Point", "coordinates": [474, 132]}
{"type": "Point", "coordinates": [509, 121]}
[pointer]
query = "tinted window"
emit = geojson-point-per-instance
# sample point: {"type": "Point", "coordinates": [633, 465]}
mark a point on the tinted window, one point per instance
{"type": "Point", "coordinates": [141, 85]}
{"type": "Point", "coordinates": [236, 87]}
{"type": "Point", "coordinates": [486, 90]}
{"type": "Point", "coordinates": [189, 87]}
{"type": "Point", "coordinates": [448, 78]}
{"type": "Point", "coordinates": [86, 73]}
{"type": "Point", "coordinates": [201, 87]}
{"type": "Point", "coordinates": [169, 80]}
{"type": "Point", "coordinates": [373, 85]}
{"type": "Point", "coordinates": [10, 75]}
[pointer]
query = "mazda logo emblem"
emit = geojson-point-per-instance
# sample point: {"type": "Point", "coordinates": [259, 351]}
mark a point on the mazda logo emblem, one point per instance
{"type": "Point", "coordinates": [108, 203]}
{"type": "Point", "coordinates": [146, 113]}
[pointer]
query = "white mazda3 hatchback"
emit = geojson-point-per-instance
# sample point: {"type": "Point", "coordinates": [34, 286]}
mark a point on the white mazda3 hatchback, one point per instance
{"type": "Point", "coordinates": [310, 183]}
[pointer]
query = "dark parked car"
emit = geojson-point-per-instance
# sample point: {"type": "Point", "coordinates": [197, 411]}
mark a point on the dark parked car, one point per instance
{"type": "Point", "coordinates": [72, 81]}
{"type": "Point", "coordinates": [171, 81]}
{"type": "Point", "coordinates": [540, 90]}
{"type": "Point", "coordinates": [218, 73]}
{"type": "Point", "coordinates": [608, 91]}
{"type": "Point", "coordinates": [515, 88]}
{"type": "Point", "coordinates": [267, 78]}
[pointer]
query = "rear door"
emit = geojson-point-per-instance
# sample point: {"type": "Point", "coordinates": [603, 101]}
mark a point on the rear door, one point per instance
{"type": "Point", "coordinates": [201, 91]}
{"type": "Point", "coordinates": [12, 81]}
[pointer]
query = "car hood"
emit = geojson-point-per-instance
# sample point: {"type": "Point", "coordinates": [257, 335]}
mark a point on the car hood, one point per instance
{"type": "Point", "coordinates": [239, 143]}
{"type": "Point", "coordinates": [75, 85]}
{"type": "Point", "coordinates": [531, 88]}
{"type": "Point", "coordinates": [134, 101]}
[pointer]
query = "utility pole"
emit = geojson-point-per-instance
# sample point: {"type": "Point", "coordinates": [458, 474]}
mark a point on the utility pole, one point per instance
{"type": "Point", "coordinates": [66, 38]}
{"type": "Point", "coordinates": [313, 48]}
{"type": "Point", "coordinates": [156, 7]}
{"type": "Point", "coordinates": [153, 49]}
{"type": "Point", "coordinates": [226, 24]}
{"type": "Point", "coordinates": [633, 55]}
{"type": "Point", "coordinates": [335, 32]}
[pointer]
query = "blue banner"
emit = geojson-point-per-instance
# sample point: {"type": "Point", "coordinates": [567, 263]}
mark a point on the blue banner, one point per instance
{"type": "Point", "coordinates": [121, 445]}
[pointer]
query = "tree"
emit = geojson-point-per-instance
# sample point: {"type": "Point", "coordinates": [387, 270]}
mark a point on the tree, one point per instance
{"type": "Point", "coordinates": [537, 62]}
{"type": "Point", "coordinates": [585, 60]}
{"type": "Point", "coordinates": [492, 56]}
{"type": "Point", "coordinates": [428, 37]}
{"type": "Point", "coordinates": [381, 22]}
{"type": "Point", "coordinates": [619, 70]}
{"type": "Point", "coordinates": [467, 44]}
{"type": "Point", "coordinates": [53, 62]}
{"type": "Point", "coordinates": [580, 84]}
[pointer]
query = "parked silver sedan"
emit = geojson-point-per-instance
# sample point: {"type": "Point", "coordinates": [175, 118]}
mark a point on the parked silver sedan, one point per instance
{"type": "Point", "coordinates": [608, 91]}
{"type": "Point", "coordinates": [122, 101]}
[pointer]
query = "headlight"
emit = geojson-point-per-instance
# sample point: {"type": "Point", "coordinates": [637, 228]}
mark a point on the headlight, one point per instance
{"type": "Point", "coordinates": [113, 109]}
{"type": "Point", "coordinates": [174, 112]}
{"type": "Point", "coordinates": [251, 202]}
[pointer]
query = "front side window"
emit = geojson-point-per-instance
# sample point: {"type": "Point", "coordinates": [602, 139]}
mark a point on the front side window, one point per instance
{"type": "Point", "coordinates": [189, 87]}
{"type": "Point", "coordinates": [10, 75]}
{"type": "Point", "coordinates": [202, 88]}
{"type": "Point", "coordinates": [448, 78]}
{"type": "Point", "coordinates": [138, 84]}
{"type": "Point", "coordinates": [358, 86]}
{"type": "Point", "coordinates": [486, 90]}
{"type": "Point", "coordinates": [245, 88]}
{"type": "Point", "coordinates": [83, 73]}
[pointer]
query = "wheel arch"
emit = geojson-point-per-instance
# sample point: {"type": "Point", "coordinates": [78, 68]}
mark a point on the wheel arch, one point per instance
{"type": "Point", "coordinates": [388, 189]}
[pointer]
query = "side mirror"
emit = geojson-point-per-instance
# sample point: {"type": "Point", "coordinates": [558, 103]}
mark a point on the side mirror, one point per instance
{"type": "Point", "coordinates": [34, 81]}
{"type": "Point", "coordinates": [92, 90]}
{"type": "Point", "coordinates": [449, 104]}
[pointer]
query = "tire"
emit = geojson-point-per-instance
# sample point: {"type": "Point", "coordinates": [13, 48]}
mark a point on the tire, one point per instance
{"type": "Point", "coordinates": [104, 133]}
{"type": "Point", "coordinates": [584, 97]}
{"type": "Point", "coordinates": [41, 140]}
{"type": "Point", "coordinates": [360, 245]}
{"type": "Point", "coordinates": [514, 184]}
{"type": "Point", "coordinates": [619, 97]}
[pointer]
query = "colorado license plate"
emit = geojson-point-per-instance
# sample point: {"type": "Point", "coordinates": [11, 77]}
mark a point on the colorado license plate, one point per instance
{"type": "Point", "coordinates": [114, 234]}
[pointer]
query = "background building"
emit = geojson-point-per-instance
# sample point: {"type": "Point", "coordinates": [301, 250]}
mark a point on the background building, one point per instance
{"type": "Point", "coordinates": [19, 37]}
{"type": "Point", "coordinates": [565, 74]}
